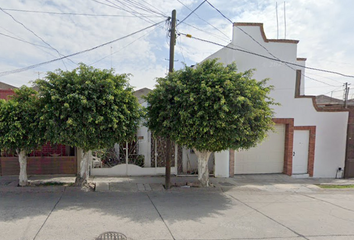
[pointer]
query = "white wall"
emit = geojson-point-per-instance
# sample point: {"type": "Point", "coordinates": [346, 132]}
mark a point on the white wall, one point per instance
{"type": "Point", "coordinates": [223, 162]}
{"type": "Point", "coordinates": [330, 126]}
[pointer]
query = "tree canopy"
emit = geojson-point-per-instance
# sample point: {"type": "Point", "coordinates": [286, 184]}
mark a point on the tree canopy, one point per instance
{"type": "Point", "coordinates": [19, 122]}
{"type": "Point", "coordinates": [88, 108]}
{"type": "Point", "coordinates": [210, 107]}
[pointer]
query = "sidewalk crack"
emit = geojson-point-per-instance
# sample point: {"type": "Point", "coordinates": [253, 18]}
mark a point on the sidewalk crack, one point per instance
{"type": "Point", "coordinates": [45, 221]}
{"type": "Point", "coordinates": [163, 220]}
{"type": "Point", "coordinates": [281, 224]}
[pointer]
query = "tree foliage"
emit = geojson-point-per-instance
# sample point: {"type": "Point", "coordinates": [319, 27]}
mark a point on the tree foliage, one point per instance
{"type": "Point", "coordinates": [88, 108]}
{"type": "Point", "coordinates": [19, 122]}
{"type": "Point", "coordinates": [210, 107]}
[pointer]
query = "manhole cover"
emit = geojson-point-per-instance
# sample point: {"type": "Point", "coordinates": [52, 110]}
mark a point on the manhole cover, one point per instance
{"type": "Point", "coordinates": [112, 236]}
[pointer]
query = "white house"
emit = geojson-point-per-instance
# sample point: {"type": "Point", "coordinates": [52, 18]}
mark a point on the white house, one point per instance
{"type": "Point", "coordinates": [307, 141]}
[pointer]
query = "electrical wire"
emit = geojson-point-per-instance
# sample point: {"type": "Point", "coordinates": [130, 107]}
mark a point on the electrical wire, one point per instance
{"type": "Point", "coordinates": [70, 13]}
{"type": "Point", "coordinates": [265, 47]}
{"type": "Point", "coordinates": [191, 13]}
{"type": "Point", "coordinates": [285, 62]}
{"type": "Point", "coordinates": [24, 41]}
{"type": "Point", "coordinates": [209, 33]}
{"type": "Point", "coordinates": [21, 40]}
{"type": "Point", "coordinates": [132, 11]}
{"type": "Point", "coordinates": [217, 29]}
{"type": "Point", "coordinates": [141, 6]}
{"type": "Point", "coordinates": [121, 48]}
{"type": "Point", "coordinates": [271, 58]}
{"type": "Point", "coordinates": [34, 34]}
{"type": "Point", "coordinates": [77, 53]}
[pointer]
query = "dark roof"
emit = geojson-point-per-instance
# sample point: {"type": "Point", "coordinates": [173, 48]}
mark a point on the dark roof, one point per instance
{"type": "Point", "coordinates": [6, 86]}
{"type": "Point", "coordinates": [323, 99]}
{"type": "Point", "coordinates": [141, 92]}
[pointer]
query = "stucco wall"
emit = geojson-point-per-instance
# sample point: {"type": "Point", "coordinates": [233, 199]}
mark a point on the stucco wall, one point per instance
{"type": "Point", "coordinates": [330, 126]}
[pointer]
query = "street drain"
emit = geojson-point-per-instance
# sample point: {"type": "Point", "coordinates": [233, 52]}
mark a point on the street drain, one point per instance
{"type": "Point", "coordinates": [111, 236]}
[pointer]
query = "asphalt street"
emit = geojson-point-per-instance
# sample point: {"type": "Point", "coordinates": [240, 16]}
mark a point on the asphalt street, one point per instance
{"type": "Point", "coordinates": [180, 213]}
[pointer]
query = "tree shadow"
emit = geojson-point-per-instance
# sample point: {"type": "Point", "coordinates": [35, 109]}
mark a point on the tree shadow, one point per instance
{"type": "Point", "coordinates": [139, 215]}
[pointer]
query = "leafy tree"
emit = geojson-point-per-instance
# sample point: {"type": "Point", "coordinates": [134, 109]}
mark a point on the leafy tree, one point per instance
{"type": "Point", "coordinates": [19, 127]}
{"type": "Point", "coordinates": [88, 108]}
{"type": "Point", "coordinates": [210, 108]}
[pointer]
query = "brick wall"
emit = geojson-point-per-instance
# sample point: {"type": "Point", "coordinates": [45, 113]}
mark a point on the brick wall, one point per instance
{"type": "Point", "coordinates": [349, 159]}
{"type": "Point", "coordinates": [289, 142]}
{"type": "Point", "coordinates": [4, 93]}
{"type": "Point", "coordinates": [49, 149]}
{"type": "Point", "coordinates": [231, 163]}
{"type": "Point", "coordinates": [39, 165]}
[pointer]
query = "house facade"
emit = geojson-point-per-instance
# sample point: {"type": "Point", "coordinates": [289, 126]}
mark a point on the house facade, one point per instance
{"type": "Point", "coordinates": [308, 141]}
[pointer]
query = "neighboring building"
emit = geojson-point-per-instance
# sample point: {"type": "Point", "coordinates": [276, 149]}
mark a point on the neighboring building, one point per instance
{"type": "Point", "coordinates": [57, 159]}
{"type": "Point", "coordinates": [6, 90]}
{"type": "Point", "coordinates": [325, 102]}
{"type": "Point", "coordinates": [5, 86]}
{"type": "Point", "coordinates": [308, 141]}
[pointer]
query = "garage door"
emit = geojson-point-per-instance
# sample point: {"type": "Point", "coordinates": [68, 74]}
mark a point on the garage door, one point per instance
{"type": "Point", "coordinates": [267, 157]}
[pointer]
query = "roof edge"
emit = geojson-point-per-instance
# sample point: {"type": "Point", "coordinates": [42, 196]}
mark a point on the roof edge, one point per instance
{"type": "Point", "coordinates": [238, 24]}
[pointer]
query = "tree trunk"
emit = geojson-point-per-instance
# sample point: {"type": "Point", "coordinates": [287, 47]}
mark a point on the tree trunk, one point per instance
{"type": "Point", "coordinates": [84, 167]}
{"type": "Point", "coordinates": [22, 158]}
{"type": "Point", "coordinates": [203, 170]}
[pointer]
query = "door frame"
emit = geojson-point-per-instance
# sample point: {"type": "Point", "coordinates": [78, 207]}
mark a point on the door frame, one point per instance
{"type": "Point", "coordinates": [289, 144]}
{"type": "Point", "coordinates": [311, 151]}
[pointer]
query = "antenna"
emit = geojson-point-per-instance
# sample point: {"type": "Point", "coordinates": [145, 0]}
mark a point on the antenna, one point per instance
{"type": "Point", "coordinates": [276, 13]}
{"type": "Point", "coordinates": [111, 56]}
{"type": "Point", "coordinates": [284, 21]}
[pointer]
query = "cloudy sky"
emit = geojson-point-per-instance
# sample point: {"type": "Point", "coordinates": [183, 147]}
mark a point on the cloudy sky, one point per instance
{"type": "Point", "coordinates": [35, 32]}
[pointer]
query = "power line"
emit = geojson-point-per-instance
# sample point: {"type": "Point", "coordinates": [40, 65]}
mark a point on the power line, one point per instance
{"type": "Point", "coordinates": [132, 11]}
{"type": "Point", "coordinates": [210, 33]}
{"type": "Point", "coordinates": [34, 34]}
{"type": "Point", "coordinates": [145, 8]}
{"type": "Point", "coordinates": [191, 12]}
{"type": "Point", "coordinates": [70, 13]}
{"type": "Point", "coordinates": [136, 14]}
{"type": "Point", "coordinates": [18, 39]}
{"type": "Point", "coordinates": [219, 11]}
{"type": "Point", "coordinates": [77, 53]}
{"type": "Point", "coordinates": [285, 62]}
{"type": "Point", "coordinates": [270, 58]}
{"type": "Point", "coordinates": [121, 48]}
{"type": "Point", "coordinates": [264, 46]}
{"type": "Point", "coordinates": [205, 20]}
{"type": "Point", "coordinates": [36, 45]}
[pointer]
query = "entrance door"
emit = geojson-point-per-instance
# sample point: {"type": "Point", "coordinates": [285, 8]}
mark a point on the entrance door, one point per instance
{"type": "Point", "coordinates": [301, 151]}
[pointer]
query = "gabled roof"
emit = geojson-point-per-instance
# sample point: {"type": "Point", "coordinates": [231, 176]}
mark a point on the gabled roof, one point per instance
{"type": "Point", "coordinates": [6, 86]}
{"type": "Point", "coordinates": [141, 92]}
{"type": "Point", "coordinates": [323, 99]}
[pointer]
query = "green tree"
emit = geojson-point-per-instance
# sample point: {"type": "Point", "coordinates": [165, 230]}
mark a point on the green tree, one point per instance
{"type": "Point", "coordinates": [19, 127]}
{"type": "Point", "coordinates": [88, 108]}
{"type": "Point", "coordinates": [210, 108]}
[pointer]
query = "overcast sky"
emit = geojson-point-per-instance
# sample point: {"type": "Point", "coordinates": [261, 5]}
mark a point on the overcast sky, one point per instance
{"type": "Point", "coordinates": [38, 33]}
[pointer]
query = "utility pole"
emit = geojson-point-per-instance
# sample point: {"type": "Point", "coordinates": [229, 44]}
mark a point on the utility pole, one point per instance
{"type": "Point", "coordinates": [346, 94]}
{"type": "Point", "coordinates": [168, 140]}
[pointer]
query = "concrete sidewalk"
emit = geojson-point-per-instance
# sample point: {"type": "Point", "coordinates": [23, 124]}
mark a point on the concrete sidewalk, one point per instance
{"type": "Point", "coordinates": [265, 182]}
{"type": "Point", "coordinates": [246, 207]}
